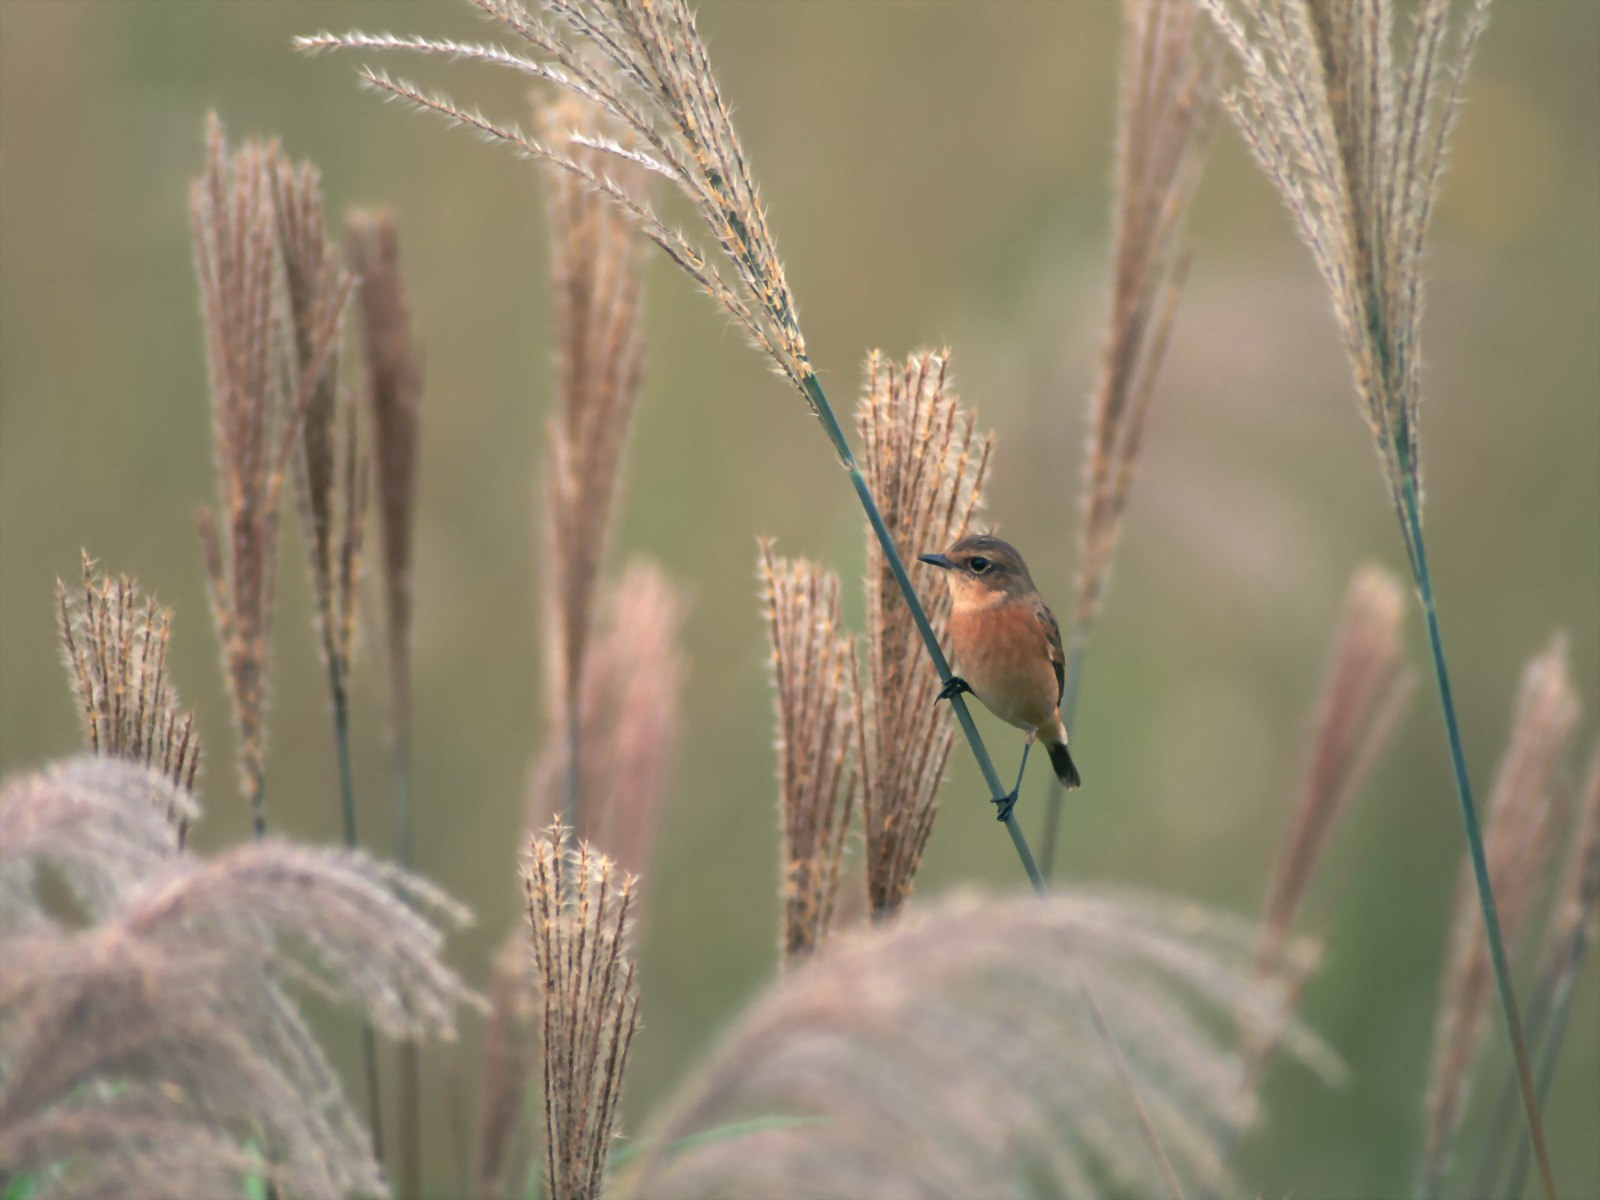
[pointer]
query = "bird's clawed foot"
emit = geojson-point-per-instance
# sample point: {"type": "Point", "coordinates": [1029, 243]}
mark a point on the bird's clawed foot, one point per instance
{"type": "Point", "coordinates": [952, 688]}
{"type": "Point", "coordinates": [1004, 804]}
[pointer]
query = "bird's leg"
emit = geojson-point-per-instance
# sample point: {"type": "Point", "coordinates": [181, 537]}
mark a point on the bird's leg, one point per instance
{"type": "Point", "coordinates": [953, 687]}
{"type": "Point", "coordinates": [1006, 803]}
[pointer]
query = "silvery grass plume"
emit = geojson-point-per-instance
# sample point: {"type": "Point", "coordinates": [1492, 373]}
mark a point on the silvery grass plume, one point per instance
{"type": "Point", "coordinates": [331, 466]}
{"type": "Point", "coordinates": [1366, 688]}
{"type": "Point", "coordinates": [1523, 826]}
{"type": "Point", "coordinates": [643, 64]}
{"type": "Point", "coordinates": [150, 1040]}
{"type": "Point", "coordinates": [580, 914]}
{"type": "Point", "coordinates": [392, 387]}
{"type": "Point", "coordinates": [954, 1054]}
{"type": "Point", "coordinates": [115, 644]}
{"type": "Point", "coordinates": [926, 462]}
{"type": "Point", "coordinates": [510, 1051]}
{"type": "Point", "coordinates": [261, 384]}
{"type": "Point", "coordinates": [814, 692]}
{"type": "Point", "coordinates": [1164, 119]}
{"type": "Point", "coordinates": [597, 299]}
{"type": "Point", "coordinates": [632, 682]}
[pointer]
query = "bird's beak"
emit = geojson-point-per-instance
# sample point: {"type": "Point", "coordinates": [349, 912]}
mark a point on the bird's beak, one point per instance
{"type": "Point", "coordinates": [936, 560]}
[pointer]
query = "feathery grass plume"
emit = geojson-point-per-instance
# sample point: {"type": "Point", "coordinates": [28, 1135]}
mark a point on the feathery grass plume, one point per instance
{"type": "Point", "coordinates": [926, 462]}
{"type": "Point", "coordinates": [952, 1054]}
{"type": "Point", "coordinates": [331, 465]}
{"type": "Point", "coordinates": [509, 1052]}
{"type": "Point", "coordinates": [1365, 690]}
{"type": "Point", "coordinates": [643, 64]}
{"type": "Point", "coordinates": [1351, 129]}
{"type": "Point", "coordinates": [261, 384]}
{"type": "Point", "coordinates": [159, 1031]}
{"type": "Point", "coordinates": [633, 680]}
{"type": "Point", "coordinates": [579, 910]}
{"type": "Point", "coordinates": [1164, 121]}
{"type": "Point", "coordinates": [1522, 832]}
{"type": "Point", "coordinates": [115, 645]}
{"type": "Point", "coordinates": [392, 384]}
{"type": "Point", "coordinates": [599, 338]}
{"type": "Point", "coordinates": [814, 691]}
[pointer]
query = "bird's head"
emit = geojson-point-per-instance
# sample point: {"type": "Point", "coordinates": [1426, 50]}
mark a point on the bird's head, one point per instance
{"type": "Point", "coordinates": [981, 570]}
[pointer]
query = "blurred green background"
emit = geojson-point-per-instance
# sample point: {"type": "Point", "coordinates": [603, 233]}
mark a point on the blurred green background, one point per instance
{"type": "Point", "coordinates": [936, 173]}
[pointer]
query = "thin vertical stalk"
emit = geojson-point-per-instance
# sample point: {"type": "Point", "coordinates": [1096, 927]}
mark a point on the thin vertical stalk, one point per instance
{"type": "Point", "coordinates": [1549, 1055]}
{"type": "Point", "coordinates": [891, 553]}
{"type": "Point", "coordinates": [410, 1065]}
{"type": "Point", "coordinates": [1411, 530]}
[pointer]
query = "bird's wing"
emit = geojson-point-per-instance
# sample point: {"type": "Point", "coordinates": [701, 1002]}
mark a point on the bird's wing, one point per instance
{"type": "Point", "coordinates": [1052, 635]}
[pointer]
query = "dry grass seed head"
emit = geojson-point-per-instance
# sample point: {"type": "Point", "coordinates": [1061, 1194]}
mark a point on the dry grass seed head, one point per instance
{"type": "Point", "coordinates": [579, 912]}
{"type": "Point", "coordinates": [178, 988]}
{"type": "Point", "coordinates": [646, 68]}
{"type": "Point", "coordinates": [599, 339]}
{"type": "Point", "coordinates": [392, 384]}
{"type": "Point", "coordinates": [261, 386]}
{"type": "Point", "coordinates": [925, 461]}
{"type": "Point", "coordinates": [1519, 841]}
{"type": "Point", "coordinates": [860, 1045]}
{"type": "Point", "coordinates": [1163, 130]}
{"type": "Point", "coordinates": [115, 645]}
{"type": "Point", "coordinates": [633, 681]}
{"type": "Point", "coordinates": [1352, 132]}
{"type": "Point", "coordinates": [813, 679]}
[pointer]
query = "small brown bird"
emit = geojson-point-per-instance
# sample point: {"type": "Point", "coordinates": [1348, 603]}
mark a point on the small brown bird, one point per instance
{"type": "Point", "coordinates": [1008, 646]}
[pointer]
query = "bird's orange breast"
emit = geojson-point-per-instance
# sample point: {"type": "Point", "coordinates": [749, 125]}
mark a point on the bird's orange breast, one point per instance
{"type": "Point", "coordinates": [1004, 655]}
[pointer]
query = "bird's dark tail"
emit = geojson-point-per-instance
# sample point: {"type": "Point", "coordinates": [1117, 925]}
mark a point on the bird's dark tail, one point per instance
{"type": "Point", "coordinates": [1061, 759]}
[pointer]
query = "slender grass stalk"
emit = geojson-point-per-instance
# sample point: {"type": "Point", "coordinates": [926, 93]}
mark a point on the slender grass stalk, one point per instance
{"type": "Point", "coordinates": [1125, 1078]}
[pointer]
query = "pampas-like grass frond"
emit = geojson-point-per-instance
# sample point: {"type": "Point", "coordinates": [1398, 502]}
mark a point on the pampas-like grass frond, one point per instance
{"type": "Point", "coordinates": [926, 462]}
{"type": "Point", "coordinates": [814, 694]}
{"type": "Point", "coordinates": [633, 678]}
{"type": "Point", "coordinates": [509, 1053]}
{"type": "Point", "coordinates": [261, 384]}
{"type": "Point", "coordinates": [1520, 837]}
{"type": "Point", "coordinates": [1353, 136]}
{"type": "Point", "coordinates": [599, 338]}
{"type": "Point", "coordinates": [579, 909]}
{"type": "Point", "coordinates": [160, 1032]}
{"type": "Point", "coordinates": [1365, 690]}
{"type": "Point", "coordinates": [1163, 130]}
{"type": "Point", "coordinates": [645, 66]}
{"type": "Point", "coordinates": [115, 643]}
{"type": "Point", "coordinates": [331, 465]}
{"type": "Point", "coordinates": [392, 381]}
{"type": "Point", "coordinates": [953, 1054]}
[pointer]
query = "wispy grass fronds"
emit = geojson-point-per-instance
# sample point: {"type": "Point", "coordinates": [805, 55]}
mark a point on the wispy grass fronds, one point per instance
{"type": "Point", "coordinates": [953, 1054]}
{"type": "Point", "coordinates": [115, 644]}
{"type": "Point", "coordinates": [1522, 832]}
{"type": "Point", "coordinates": [926, 461]}
{"type": "Point", "coordinates": [633, 680]}
{"type": "Point", "coordinates": [163, 1025]}
{"type": "Point", "coordinates": [392, 385]}
{"type": "Point", "coordinates": [814, 694]}
{"type": "Point", "coordinates": [579, 910]}
{"type": "Point", "coordinates": [597, 300]}
{"type": "Point", "coordinates": [1163, 130]}
{"type": "Point", "coordinates": [1366, 688]}
{"type": "Point", "coordinates": [644, 65]}
{"type": "Point", "coordinates": [331, 464]}
{"type": "Point", "coordinates": [509, 1053]}
{"type": "Point", "coordinates": [261, 384]}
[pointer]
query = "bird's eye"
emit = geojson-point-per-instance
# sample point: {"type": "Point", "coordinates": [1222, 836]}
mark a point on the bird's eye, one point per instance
{"type": "Point", "coordinates": [979, 565]}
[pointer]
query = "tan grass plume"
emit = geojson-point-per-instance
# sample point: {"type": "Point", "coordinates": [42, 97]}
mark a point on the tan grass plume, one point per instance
{"type": "Point", "coordinates": [1520, 838]}
{"type": "Point", "coordinates": [813, 663]}
{"type": "Point", "coordinates": [580, 916]}
{"type": "Point", "coordinates": [925, 461]}
{"type": "Point", "coordinates": [115, 644]}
